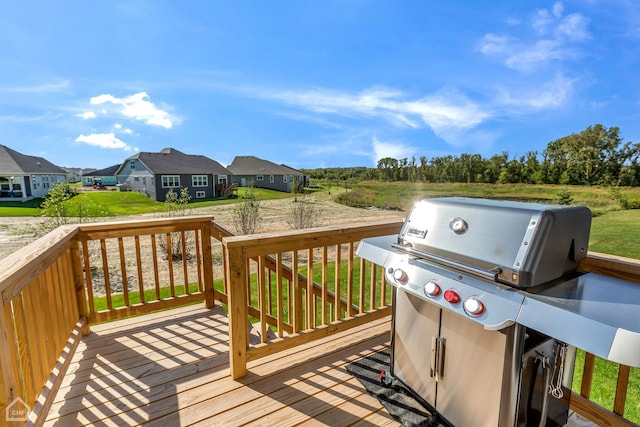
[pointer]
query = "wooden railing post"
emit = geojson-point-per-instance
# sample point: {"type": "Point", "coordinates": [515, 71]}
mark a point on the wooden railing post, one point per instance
{"type": "Point", "coordinates": [207, 267]}
{"type": "Point", "coordinates": [8, 361]}
{"type": "Point", "coordinates": [236, 274]}
{"type": "Point", "coordinates": [621, 389]}
{"type": "Point", "coordinates": [78, 281]}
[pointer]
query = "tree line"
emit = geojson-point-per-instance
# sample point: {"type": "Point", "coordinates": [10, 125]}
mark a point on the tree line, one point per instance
{"type": "Point", "coordinates": [595, 156]}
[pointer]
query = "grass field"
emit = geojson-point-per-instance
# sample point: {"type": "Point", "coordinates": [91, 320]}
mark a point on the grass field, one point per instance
{"type": "Point", "coordinates": [114, 203]}
{"type": "Point", "coordinates": [402, 194]}
{"type": "Point", "coordinates": [614, 230]}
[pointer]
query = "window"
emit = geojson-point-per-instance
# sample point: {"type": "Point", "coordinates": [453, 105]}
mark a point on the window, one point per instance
{"type": "Point", "coordinates": [200, 195]}
{"type": "Point", "coordinates": [260, 178]}
{"type": "Point", "coordinates": [222, 179]}
{"type": "Point", "coordinates": [284, 178]}
{"type": "Point", "coordinates": [170, 181]}
{"type": "Point", "coordinates": [4, 183]}
{"type": "Point", "coordinates": [199, 180]}
{"type": "Point", "coordinates": [136, 179]}
{"type": "Point", "coordinates": [132, 164]}
{"type": "Point", "coordinates": [272, 179]}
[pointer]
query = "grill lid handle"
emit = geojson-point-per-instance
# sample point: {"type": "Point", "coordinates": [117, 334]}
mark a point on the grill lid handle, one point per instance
{"type": "Point", "coordinates": [488, 274]}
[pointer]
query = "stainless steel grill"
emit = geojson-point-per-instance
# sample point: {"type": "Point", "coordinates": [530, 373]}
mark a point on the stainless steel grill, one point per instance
{"type": "Point", "coordinates": [489, 307]}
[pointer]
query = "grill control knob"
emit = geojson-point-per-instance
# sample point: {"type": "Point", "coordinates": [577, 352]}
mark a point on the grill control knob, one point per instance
{"type": "Point", "coordinates": [400, 276]}
{"type": "Point", "coordinates": [473, 306]}
{"type": "Point", "coordinates": [451, 296]}
{"type": "Point", "coordinates": [432, 289]}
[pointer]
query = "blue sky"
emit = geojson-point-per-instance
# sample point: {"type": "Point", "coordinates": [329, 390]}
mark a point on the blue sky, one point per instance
{"type": "Point", "coordinates": [313, 83]}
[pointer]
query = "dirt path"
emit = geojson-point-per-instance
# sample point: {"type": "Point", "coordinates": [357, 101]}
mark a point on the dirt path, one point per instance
{"type": "Point", "coordinates": [17, 232]}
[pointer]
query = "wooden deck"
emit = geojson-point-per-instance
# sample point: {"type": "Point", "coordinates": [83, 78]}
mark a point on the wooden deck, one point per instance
{"type": "Point", "coordinates": [172, 368]}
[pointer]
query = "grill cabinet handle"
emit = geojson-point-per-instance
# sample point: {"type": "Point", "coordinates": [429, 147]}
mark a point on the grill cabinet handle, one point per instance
{"type": "Point", "coordinates": [433, 359]}
{"type": "Point", "coordinates": [488, 274]}
{"type": "Point", "coordinates": [436, 368]}
{"type": "Point", "coordinates": [440, 367]}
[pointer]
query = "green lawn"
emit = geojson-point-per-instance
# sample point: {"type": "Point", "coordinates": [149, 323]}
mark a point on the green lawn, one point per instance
{"type": "Point", "coordinates": [114, 203]}
{"type": "Point", "coordinates": [616, 233]}
{"type": "Point", "coordinates": [29, 208]}
{"type": "Point", "coordinates": [403, 194]}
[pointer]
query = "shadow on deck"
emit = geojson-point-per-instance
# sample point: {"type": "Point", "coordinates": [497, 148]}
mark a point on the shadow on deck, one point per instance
{"type": "Point", "coordinates": [172, 368]}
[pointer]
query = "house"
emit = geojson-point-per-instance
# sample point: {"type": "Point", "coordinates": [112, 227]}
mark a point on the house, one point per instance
{"type": "Point", "coordinates": [155, 174]}
{"type": "Point", "coordinates": [265, 174]}
{"type": "Point", "coordinates": [26, 177]}
{"type": "Point", "coordinates": [106, 176]}
{"type": "Point", "coordinates": [75, 174]}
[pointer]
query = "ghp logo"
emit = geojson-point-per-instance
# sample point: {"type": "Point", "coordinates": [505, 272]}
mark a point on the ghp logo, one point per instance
{"type": "Point", "coordinates": [18, 410]}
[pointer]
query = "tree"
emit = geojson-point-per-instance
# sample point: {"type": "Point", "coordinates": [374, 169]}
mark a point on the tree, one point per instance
{"type": "Point", "coordinates": [177, 204]}
{"type": "Point", "coordinates": [54, 207]}
{"type": "Point", "coordinates": [62, 206]}
{"type": "Point", "coordinates": [388, 167]}
{"type": "Point", "coordinates": [589, 157]}
{"type": "Point", "coordinates": [247, 212]}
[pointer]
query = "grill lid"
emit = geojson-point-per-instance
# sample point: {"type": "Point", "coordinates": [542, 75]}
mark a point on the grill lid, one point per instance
{"type": "Point", "coordinates": [517, 243]}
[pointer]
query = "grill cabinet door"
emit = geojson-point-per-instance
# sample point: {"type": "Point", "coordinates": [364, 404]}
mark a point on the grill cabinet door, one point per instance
{"type": "Point", "coordinates": [416, 323]}
{"type": "Point", "coordinates": [467, 388]}
{"type": "Point", "coordinates": [470, 385]}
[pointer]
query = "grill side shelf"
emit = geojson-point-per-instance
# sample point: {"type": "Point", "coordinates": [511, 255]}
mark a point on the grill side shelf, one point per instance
{"type": "Point", "coordinates": [596, 313]}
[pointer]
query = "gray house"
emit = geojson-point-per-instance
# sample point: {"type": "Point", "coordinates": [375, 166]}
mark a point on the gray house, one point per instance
{"type": "Point", "coordinates": [106, 176]}
{"type": "Point", "coordinates": [26, 177]}
{"type": "Point", "coordinates": [155, 174]}
{"type": "Point", "coordinates": [265, 174]}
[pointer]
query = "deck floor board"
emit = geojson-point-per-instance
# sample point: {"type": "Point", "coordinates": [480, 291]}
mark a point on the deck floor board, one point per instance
{"type": "Point", "coordinates": [172, 368]}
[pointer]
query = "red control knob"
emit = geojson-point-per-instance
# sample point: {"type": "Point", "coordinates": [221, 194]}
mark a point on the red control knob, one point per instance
{"type": "Point", "coordinates": [451, 296]}
{"type": "Point", "coordinates": [473, 306]}
{"type": "Point", "coordinates": [432, 289]}
{"type": "Point", "coordinates": [400, 276]}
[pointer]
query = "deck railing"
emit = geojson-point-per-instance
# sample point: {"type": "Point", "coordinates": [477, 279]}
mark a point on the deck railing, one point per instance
{"type": "Point", "coordinates": [583, 403]}
{"type": "Point", "coordinates": [282, 290]}
{"type": "Point", "coordinates": [130, 268]}
{"type": "Point", "coordinates": [39, 320]}
{"type": "Point", "coordinates": [299, 286]}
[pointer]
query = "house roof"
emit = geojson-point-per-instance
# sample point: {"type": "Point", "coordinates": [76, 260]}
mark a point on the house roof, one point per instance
{"type": "Point", "coordinates": [110, 171]}
{"type": "Point", "coordinates": [12, 162]}
{"type": "Point", "coordinates": [251, 165]}
{"type": "Point", "coordinates": [172, 161]}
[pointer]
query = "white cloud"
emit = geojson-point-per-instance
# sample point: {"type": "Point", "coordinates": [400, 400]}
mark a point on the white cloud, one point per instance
{"type": "Point", "coordinates": [441, 111]}
{"type": "Point", "coordinates": [122, 129]}
{"type": "Point", "coordinates": [552, 94]}
{"type": "Point", "coordinates": [447, 110]}
{"type": "Point", "coordinates": [137, 107]}
{"type": "Point", "coordinates": [557, 38]}
{"type": "Point", "coordinates": [574, 27]}
{"type": "Point", "coordinates": [389, 149]}
{"type": "Point", "coordinates": [492, 44]}
{"type": "Point", "coordinates": [87, 115]}
{"type": "Point", "coordinates": [557, 9]}
{"type": "Point", "coordinates": [52, 87]}
{"type": "Point", "coordinates": [104, 140]}
{"type": "Point", "coordinates": [541, 52]}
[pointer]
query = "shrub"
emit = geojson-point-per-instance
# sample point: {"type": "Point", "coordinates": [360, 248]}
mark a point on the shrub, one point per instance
{"type": "Point", "coordinates": [302, 214]}
{"type": "Point", "coordinates": [359, 197]}
{"type": "Point", "coordinates": [246, 213]}
{"type": "Point", "coordinates": [563, 198]}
